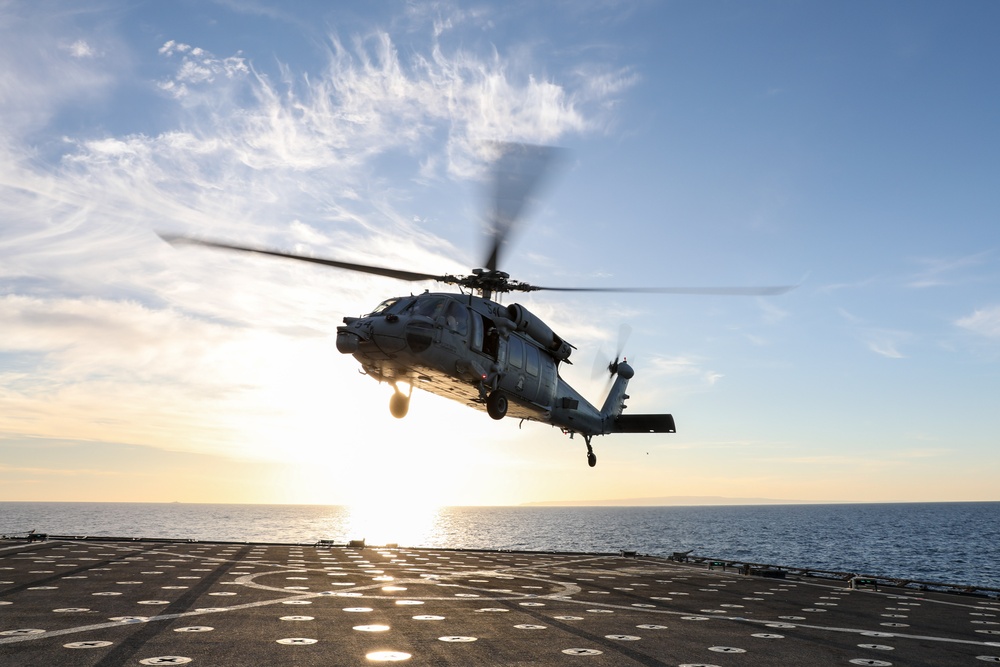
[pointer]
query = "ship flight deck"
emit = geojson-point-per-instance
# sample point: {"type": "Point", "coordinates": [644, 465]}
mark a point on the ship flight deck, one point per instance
{"type": "Point", "coordinates": [109, 602]}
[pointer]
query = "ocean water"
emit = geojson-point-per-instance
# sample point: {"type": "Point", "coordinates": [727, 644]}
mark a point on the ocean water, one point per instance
{"type": "Point", "coordinates": [952, 543]}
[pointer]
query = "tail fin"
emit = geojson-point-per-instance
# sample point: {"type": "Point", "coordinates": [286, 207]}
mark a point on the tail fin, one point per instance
{"type": "Point", "coordinates": [615, 402]}
{"type": "Point", "coordinates": [613, 419]}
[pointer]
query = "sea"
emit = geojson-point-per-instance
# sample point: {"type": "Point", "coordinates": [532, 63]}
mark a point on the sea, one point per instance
{"type": "Point", "coordinates": [952, 543]}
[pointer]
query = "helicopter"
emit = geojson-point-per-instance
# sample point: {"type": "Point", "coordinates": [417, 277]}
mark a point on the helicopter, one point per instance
{"type": "Point", "coordinates": [470, 348]}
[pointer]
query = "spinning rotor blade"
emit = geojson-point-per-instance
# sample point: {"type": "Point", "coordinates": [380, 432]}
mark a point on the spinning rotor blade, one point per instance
{"type": "Point", "coordinates": [600, 366]}
{"type": "Point", "coordinates": [411, 276]}
{"type": "Point", "coordinates": [517, 174]}
{"type": "Point", "coordinates": [704, 291]}
{"type": "Point", "coordinates": [624, 332]}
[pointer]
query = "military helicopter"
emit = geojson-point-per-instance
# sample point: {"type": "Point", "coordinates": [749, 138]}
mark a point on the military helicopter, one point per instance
{"type": "Point", "coordinates": [469, 348]}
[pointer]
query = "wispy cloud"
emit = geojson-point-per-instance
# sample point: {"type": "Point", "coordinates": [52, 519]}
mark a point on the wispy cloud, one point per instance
{"type": "Point", "coordinates": [690, 371]}
{"type": "Point", "coordinates": [199, 67]}
{"type": "Point", "coordinates": [81, 49]}
{"type": "Point", "coordinates": [121, 338]}
{"type": "Point", "coordinates": [36, 80]}
{"type": "Point", "coordinates": [931, 272]}
{"type": "Point", "coordinates": [869, 460]}
{"type": "Point", "coordinates": [771, 313]}
{"type": "Point", "coordinates": [939, 271]}
{"type": "Point", "coordinates": [830, 288]}
{"type": "Point", "coordinates": [983, 321]}
{"type": "Point", "coordinates": [882, 341]}
{"type": "Point", "coordinates": [58, 472]}
{"type": "Point", "coordinates": [885, 342]}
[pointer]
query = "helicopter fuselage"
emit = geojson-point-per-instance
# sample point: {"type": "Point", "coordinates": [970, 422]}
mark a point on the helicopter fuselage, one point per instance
{"type": "Point", "coordinates": [501, 359]}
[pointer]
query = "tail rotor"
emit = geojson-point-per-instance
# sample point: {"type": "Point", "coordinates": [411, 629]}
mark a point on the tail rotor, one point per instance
{"type": "Point", "coordinates": [624, 332]}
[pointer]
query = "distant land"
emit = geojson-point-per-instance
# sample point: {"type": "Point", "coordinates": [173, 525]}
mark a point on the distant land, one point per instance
{"type": "Point", "coordinates": [666, 501]}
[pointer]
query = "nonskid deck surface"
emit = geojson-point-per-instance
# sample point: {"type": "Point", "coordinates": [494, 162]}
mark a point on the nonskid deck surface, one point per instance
{"type": "Point", "coordinates": [143, 603]}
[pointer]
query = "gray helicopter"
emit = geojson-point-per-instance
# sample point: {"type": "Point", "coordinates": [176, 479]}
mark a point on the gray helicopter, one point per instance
{"type": "Point", "coordinates": [468, 348]}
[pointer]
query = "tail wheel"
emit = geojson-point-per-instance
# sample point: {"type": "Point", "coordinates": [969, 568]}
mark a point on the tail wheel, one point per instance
{"type": "Point", "coordinates": [496, 405]}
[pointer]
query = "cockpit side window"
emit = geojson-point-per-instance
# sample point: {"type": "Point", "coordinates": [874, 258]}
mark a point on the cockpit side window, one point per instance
{"type": "Point", "coordinates": [432, 308]}
{"type": "Point", "coordinates": [457, 318]}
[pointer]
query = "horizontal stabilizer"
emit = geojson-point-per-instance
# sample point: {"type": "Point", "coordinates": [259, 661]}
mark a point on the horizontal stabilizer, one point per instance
{"type": "Point", "coordinates": [644, 424]}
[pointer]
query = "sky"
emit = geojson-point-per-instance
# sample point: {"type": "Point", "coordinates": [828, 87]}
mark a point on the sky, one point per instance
{"type": "Point", "coordinates": [850, 149]}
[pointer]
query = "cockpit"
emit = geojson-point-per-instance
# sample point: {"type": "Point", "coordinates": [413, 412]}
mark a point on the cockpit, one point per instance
{"type": "Point", "coordinates": [442, 309]}
{"type": "Point", "coordinates": [394, 305]}
{"type": "Point", "coordinates": [436, 308]}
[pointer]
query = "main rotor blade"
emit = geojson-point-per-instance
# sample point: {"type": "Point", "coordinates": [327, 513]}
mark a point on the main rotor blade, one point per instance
{"type": "Point", "coordinates": [411, 276]}
{"type": "Point", "coordinates": [517, 175]}
{"type": "Point", "coordinates": [704, 291]}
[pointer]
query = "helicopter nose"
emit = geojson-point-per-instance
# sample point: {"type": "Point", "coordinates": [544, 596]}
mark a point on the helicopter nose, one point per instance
{"type": "Point", "coordinates": [373, 338]}
{"type": "Point", "coordinates": [387, 335]}
{"type": "Point", "coordinates": [347, 342]}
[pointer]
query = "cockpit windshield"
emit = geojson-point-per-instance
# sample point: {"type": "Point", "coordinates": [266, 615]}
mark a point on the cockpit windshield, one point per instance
{"type": "Point", "coordinates": [393, 305]}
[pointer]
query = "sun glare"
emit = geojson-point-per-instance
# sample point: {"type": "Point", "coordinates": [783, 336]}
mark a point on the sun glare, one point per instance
{"type": "Point", "coordinates": [381, 521]}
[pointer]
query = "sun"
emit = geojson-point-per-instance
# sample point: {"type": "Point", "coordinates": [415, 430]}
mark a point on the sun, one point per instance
{"type": "Point", "coordinates": [328, 432]}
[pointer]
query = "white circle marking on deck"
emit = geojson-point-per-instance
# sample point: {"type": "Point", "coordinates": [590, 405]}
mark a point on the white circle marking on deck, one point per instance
{"type": "Point", "coordinates": [166, 660]}
{"type": "Point", "coordinates": [388, 656]}
{"type": "Point", "coordinates": [91, 644]}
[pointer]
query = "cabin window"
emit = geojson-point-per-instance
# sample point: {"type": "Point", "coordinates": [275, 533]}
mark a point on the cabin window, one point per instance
{"type": "Point", "coordinates": [476, 327]}
{"type": "Point", "coordinates": [457, 318]}
{"type": "Point", "coordinates": [532, 365]}
{"type": "Point", "coordinates": [491, 341]}
{"type": "Point", "coordinates": [515, 352]}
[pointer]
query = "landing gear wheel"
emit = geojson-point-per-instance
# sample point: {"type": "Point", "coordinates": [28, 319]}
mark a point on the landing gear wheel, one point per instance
{"type": "Point", "coordinates": [399, 404]}
{"type": "Point", "coordinates": [496, 404]}
{"type": "Point", "coordinates": [591, 456]}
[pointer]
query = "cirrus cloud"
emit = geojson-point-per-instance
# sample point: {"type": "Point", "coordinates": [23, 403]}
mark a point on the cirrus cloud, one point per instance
{"type": "Point", "coordinates": [983, 321]}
